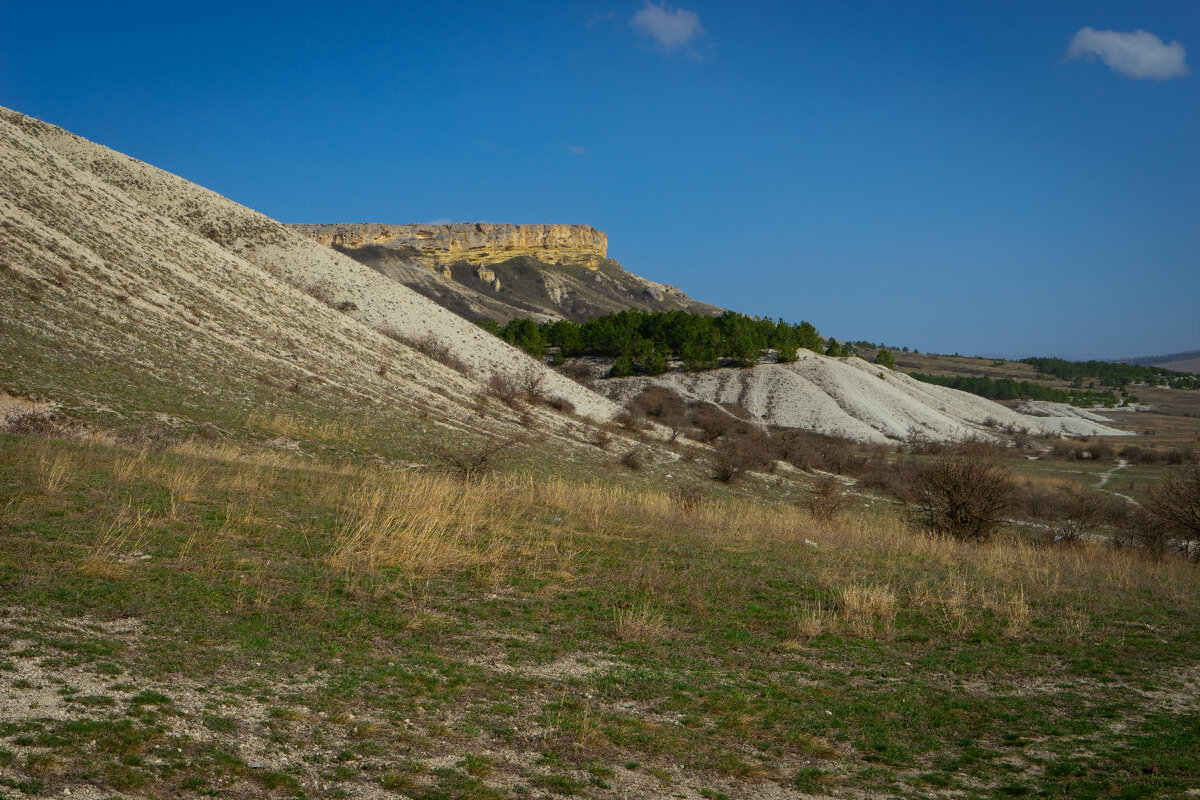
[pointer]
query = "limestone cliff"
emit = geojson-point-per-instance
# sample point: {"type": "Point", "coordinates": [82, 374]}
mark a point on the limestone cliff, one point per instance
{"type": "Point", "coordinates": [505, 271]}
{"type": "Point", "coordinates": [475, 242]}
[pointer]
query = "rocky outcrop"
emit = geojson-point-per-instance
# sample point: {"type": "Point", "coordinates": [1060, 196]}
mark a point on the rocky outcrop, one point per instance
{"type": "Point", "coordinates": [469, 241]}
{"type": "Point", "coordinates": [504, 272]}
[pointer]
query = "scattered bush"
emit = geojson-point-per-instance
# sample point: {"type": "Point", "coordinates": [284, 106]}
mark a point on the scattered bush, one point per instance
{"type": "Point", "coordinates": [635, 458]}
{"type": "Point", "coordinates": [1174, 507]}
{"type": "Point", "coordinates": [472, 461]}
{"type": "Point", "coordinates": [505, 388]}
{"type": "Point", "coordinates": [963, 495]}
{"type": "Point", "coordinates": [561, 405]}
{"type": "Point", "coordinates": [827, 499]}
{"type": "Point", "coordinates": [663, 406]}
{"type": "Point", "coordinates": [735, 455]}
{"type": "Point", "coordinates": [601, 435]}
{"type": "Point", "coordinates": [432, 347]}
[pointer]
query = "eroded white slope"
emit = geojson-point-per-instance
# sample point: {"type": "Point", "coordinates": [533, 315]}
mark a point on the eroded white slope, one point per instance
{"type": "Point", "coordinates": [851, 398]}
{"type": "Point", "coordinates": [98, 289]}
{"type": "Point", "coordinates": [369, 297]}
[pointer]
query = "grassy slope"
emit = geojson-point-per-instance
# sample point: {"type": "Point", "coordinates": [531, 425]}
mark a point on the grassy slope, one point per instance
{"type": "Point", "coordinates": [336, 632]}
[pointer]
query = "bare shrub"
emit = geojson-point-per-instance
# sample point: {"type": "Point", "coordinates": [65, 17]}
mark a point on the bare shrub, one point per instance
{"type": "Point", "coordinates": [506, 388]}
{"type": "Point", "coordinates": [1176, 457]}
{"type": "Point", "coordinates": [561, 405]}
{"type": "Point", "coordinates": [711, 421]}
{"type": "Point", "coordinates": [578, 371]}
{"type": "Point", "coordinates": [635, 459]}
{"type": "Point", "coordinates": [518, 391]}
{"type": "Point", "coordinates": [734, 456]}
{"type": "Point", "coordinates": [1077, 512]}
{"type": "Point", "coordinates": [963, 495]}
{"type": "Point", "coordinates": [632, 423]}
{"type": "Point", "coordinates": [601, 435]}
{"type": "Point", "coordinates": [318, 292]}
{"type": "Point", "coordinates": [532, 386]}
{"type": "Point", "coordinates": [473, 460]}
{"type": "Point", "coordinates": [893, 477]}
{"type": "Point", "coordinates": [815, 451]}
{"type": "Point", "coordinates": [432, 347]}
{"type": "Point", "coordinates": [1174, 507]}
{"type": "Point", "coordinates": [664, 406]}
{"type": "Point", "coordinates": [1135, 454]}
{"type": "Point", "coordinates": [827, 499]}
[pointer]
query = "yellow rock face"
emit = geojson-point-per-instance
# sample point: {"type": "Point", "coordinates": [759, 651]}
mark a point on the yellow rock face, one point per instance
{"type": "Point", "coordinates": [479, 242]}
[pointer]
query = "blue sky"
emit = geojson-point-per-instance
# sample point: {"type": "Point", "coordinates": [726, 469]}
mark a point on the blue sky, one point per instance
{"type": "Point", "coordinates": [1002, 178]}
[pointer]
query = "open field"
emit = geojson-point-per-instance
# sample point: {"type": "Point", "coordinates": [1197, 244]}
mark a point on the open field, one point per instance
{"type": "Point", "coordinates": [217, 619]}
{"type": "Point", "coordinates": [1170, 417]}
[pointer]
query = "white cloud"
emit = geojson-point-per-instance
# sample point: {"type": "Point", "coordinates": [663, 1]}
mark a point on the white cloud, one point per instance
{"type": "Point", "coordinates": [576, 149]}
{"type": "Point", "coordinates": [672, 28]}
{"type": "Point", "coordinates": [439, 221]}
{"type": "Point", "coordinates": [1138, 54]}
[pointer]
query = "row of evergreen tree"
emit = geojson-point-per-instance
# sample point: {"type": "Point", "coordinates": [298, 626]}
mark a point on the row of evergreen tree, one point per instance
{"type": "Point", "coordinates": [1009, 389]}
{"type": "Point", "coordinates": [649, 340]}
{"type": "Point", "coordinates": [1113, 374]}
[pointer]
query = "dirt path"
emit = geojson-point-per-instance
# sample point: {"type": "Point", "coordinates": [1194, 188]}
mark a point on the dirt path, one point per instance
{"type": "Point", "coordinates": [1105, 477]}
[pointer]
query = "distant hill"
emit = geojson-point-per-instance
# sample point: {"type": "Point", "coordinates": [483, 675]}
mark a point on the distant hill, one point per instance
{"type": "Point", "coordinates": [505, 272]}
{"type": "Point", "coordinates": [1188, 361]}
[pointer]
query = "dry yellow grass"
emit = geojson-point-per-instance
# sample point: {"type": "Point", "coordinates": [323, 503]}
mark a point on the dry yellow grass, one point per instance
{"type": "Point", "coordinates": [424, 524]}
{"type": "Point", "coordinates": [639, 623]}
{"type": "Point", "coordinates": [864, 606]}
{"type": "Point", "coordinates": [125, 468]}
{"type": "Point", "coordinates": [812, 622]}
{"type": "Point", "coordinates": [295, 428]}
{"type": "Point", "coordinates": [122, 535]}
{"type": "Point", "coordinates": [53, 471]}
{"type": "Point", "coordinates": [182, 480]}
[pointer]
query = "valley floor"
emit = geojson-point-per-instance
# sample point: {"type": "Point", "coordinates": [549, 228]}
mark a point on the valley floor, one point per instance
{"type": "Point", "coordinates": [217, 620]}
